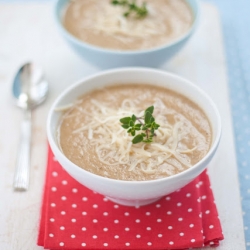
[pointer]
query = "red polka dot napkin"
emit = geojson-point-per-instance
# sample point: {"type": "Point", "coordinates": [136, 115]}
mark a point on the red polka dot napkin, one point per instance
{"type": "Point", "coordinates": [74, 217]}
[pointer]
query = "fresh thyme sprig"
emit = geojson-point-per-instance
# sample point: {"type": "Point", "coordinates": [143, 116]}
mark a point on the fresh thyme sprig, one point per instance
{"type": "Point", "coordinates": [145, 124]}
{"type": "Point", "coordinates": [132, 7]}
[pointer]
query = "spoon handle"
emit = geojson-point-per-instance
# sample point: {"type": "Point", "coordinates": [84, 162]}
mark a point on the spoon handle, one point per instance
{"type": "Point", "coordinates": [21, 178]}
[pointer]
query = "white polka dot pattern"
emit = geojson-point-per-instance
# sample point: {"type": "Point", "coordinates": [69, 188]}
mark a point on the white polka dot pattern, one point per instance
{"type": "Point", "coordinates": [79, 218]}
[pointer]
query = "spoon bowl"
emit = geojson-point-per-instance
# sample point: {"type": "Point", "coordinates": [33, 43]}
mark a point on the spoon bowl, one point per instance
{"type": "Point", "coordinates": [29, 86]}
{"type": "Point", "coordinates": [30, 89]}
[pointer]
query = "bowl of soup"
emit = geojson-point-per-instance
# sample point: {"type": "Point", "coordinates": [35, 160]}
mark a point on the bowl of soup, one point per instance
{"type": "Point", "coordinates": [88, 131]}
{"type": "Point", "coordinates": [110, 34]}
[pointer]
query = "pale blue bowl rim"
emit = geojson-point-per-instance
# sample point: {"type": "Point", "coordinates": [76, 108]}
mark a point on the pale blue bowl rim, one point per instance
{"type": "Point", "coordinates": [194, 4]}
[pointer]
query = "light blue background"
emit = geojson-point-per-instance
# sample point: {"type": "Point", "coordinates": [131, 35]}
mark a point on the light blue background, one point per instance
{"type": "Point", "coordinates": [235, 17]}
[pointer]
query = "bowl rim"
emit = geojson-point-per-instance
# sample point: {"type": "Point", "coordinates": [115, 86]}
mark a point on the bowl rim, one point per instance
{"type": "Point", "coordinates": [91, 47]}
{"type": "Point", "coordinates": [209, 155]}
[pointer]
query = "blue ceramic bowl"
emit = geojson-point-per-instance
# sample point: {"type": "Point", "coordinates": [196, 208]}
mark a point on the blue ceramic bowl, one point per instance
{"type": "Point", "coordinates": [108, 58]}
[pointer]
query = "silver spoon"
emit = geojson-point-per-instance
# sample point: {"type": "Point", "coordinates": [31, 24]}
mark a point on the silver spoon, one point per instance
{"type": "Point", "coordinates": [30, 89]}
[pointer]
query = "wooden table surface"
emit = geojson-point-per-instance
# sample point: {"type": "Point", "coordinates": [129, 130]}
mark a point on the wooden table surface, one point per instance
{"type": "Point", "coordinates": [28, 32]}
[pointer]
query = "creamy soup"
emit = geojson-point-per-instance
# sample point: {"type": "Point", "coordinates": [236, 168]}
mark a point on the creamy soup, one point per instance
{"type": "Point", "coordinates": [91, 136]}
{"type": "Point", "coordinates": [100, 23]}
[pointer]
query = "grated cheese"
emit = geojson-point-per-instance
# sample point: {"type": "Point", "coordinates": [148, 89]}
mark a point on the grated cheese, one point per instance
{"type": "Point", "coordinates": [113, 144]}
{"type": "Point", "coordinates": [103, 17]}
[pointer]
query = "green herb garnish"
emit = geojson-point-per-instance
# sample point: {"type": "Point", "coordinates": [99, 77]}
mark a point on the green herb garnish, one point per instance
{"type": "Point", "coordinates": [145, 124]}
{"type": "Point", "coordinates": [132, 8]}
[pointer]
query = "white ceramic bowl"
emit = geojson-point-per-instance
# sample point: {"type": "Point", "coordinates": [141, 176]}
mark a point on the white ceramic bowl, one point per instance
{"type": "Point", "coordinates": [109, 58]}
{"type": "Point", "coordinates": [134, 193]}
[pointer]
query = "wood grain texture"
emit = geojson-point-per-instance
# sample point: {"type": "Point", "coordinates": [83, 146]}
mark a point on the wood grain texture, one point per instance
{"type": "Point", "coordinates": [27, 32]}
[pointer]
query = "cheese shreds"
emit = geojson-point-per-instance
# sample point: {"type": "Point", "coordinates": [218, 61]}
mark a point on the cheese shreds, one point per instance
{"type": "Point", "coordinates": [113, 145]}
{"type": "Point", "coordinates": [107, 18]}
{"type": "Point", "coordinates": [64, 107]}
{"type": "Point", "coordinates": [101, 22]}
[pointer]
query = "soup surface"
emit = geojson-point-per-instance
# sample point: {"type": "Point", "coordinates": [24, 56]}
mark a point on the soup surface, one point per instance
{"type": "Point", "coordinates": [91, 136]}
{"type": "Point", "coordinates": [103, 24]}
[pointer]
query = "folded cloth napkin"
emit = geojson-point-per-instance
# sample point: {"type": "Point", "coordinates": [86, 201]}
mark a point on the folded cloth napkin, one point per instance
{"type": "Point", "coordinates": [74, 217]}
